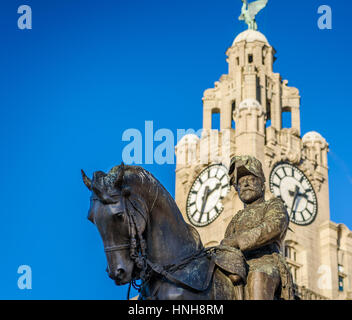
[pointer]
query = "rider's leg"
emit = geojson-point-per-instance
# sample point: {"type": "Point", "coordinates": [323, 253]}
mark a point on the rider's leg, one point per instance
{"type": "Point", "coordinates": [262, 286]}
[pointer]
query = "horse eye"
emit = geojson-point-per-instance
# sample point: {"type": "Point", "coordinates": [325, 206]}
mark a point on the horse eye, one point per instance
{"type": "Point", "coordinates": [118, 215]}
{"type": "Point", "coordinates": [126, 192]}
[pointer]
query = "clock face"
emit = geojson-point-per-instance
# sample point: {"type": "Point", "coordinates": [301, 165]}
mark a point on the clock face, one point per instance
{"type": "Point", "coordinates": [292, 186]}
{"type": "Point", "coordinates": [204, 202]}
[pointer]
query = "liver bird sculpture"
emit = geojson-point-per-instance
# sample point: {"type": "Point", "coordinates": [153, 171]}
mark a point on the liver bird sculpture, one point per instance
{"type": "Point", "coordinates": [250, 10]}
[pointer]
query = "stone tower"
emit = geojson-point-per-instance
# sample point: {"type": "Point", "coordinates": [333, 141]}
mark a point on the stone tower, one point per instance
{"type": "Point", "coordinates": [251, 100]}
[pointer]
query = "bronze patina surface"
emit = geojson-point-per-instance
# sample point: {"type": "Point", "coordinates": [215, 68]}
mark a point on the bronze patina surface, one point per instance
{"type": "Point", "coordinates": [146, 238]}
{"type": "Point", "coordinates": [258, 231]}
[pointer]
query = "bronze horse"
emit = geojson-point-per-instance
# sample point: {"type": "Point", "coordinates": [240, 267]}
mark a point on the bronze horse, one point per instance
{"type": "Point", "coordinates": [145, 237]}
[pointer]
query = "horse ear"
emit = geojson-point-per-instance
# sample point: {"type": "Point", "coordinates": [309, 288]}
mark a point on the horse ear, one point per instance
{"type": "Point", "coordinates": [86, 180]}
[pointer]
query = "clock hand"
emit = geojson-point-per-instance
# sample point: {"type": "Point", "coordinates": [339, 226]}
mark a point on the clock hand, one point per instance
{"type": "Point", "coordinates": [205, 198]}
{"type": "Point", "coordinates": [291, 193]}
{"type": "Point", "coordinates": [295, 194]}
{"type": "Point", "coordinates": [215, 188]}
{"type": "Point", "coordinates": [302, 195]}
{"type": "Point", "coordinates": [207, 193]}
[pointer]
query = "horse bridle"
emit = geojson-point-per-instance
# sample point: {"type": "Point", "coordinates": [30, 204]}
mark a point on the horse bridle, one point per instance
{"type": "Point", "coordinates": [117, 248]}
{"type": "Point", "coordinates": [139, 256]}
{"type": "Point", "coordinates": [137, 251]}
{"type": "Point", "coordinates": [126, 246]}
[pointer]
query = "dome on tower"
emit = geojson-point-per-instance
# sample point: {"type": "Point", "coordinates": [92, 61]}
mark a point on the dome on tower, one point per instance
{"type": "Point", "coordinates": [251, 36]}
{"type": "Point", "coordinates": [188, 139]}
{"type": "Point", "coordinates": [313, 136]}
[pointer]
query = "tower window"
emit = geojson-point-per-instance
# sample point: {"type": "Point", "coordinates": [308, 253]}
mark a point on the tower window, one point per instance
{"type": "Point", "coordinates": [233, 124]}
{"type": "Point", "coordinates": [340, 283]}
{"type": "Point", "coordinates": [238, 61]}
{"type": "Point", "coordinates": [290, 253]}
{"type": "Point", "coordinates": [264, 53]}
{"type": "Point", "coordinates": [215, 121]}
{"type": "Point", "coordinates": [291, 259]}
{"type": "Point", "coordinates": [250, 58]}
{"type": "Point", "coordinates": [268, 114]}
{"type": "Point", "coordinates": [286, 117]}
{"type": "Point", "coordinates": [287, 252]}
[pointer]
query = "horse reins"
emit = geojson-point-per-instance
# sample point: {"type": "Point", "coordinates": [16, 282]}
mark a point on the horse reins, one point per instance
{"type": "Point", "coordinates": [139, 257]}
{"type": "Point", "coordinates": [138, 252]}
{"type": "Point", "coordinates": [117, 248]}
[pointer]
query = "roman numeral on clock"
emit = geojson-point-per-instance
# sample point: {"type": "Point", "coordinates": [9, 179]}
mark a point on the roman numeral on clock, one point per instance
{"type": "Point", "coordinates": [302, 216]}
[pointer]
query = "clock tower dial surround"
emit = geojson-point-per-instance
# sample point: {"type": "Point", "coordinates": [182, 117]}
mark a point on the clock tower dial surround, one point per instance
{"type": "Point", "coordinates": [291, 185]}
{"type": "Point", "coordinates": [204, 201]}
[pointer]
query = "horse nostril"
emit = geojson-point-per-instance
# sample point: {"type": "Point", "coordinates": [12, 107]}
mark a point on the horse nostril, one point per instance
{"type": "Point", "coordinates": [120, 272]}
{"type": "Point", "coordinates": [117, 274]}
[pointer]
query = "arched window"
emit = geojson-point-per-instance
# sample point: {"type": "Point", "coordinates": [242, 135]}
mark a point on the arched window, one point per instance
{"type": "Point", "coordinates": [215, 119]}
{"type": "Point", "coordinates": [286, 117]}
{"type": "Point", "coordinates": [291, 259]}
{"type": "Point", "coordinates": [233, 123]}
{"type": "Point", "coordinates": [268, 114]}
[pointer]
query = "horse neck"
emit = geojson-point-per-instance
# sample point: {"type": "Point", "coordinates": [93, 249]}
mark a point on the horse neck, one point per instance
{"type": "Point", "coordinates": [169, 238]}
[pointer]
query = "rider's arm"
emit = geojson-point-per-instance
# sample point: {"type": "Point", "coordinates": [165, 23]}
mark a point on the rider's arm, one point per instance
{"type": "Point", "coordinates": [230, 238]}
{"type": "Point", "coordinates": [274, 224]}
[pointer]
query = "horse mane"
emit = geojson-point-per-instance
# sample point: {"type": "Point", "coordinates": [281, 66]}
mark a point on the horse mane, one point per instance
{"type": "Point", "coordinates": [143, 177]}
{"type": "Point", "coordinates": [140, 173]}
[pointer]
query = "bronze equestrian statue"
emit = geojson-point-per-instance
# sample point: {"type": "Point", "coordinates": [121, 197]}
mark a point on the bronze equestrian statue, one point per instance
{"type": "Point", "coordinates": [145, 237]}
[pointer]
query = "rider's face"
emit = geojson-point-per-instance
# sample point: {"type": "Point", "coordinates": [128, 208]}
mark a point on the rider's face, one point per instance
{"type": "Point", "coordinates": [250, 188]}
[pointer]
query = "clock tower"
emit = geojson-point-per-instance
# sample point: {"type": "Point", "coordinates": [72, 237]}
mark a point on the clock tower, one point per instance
{"type": "Point", "coordinates": [260, 116]}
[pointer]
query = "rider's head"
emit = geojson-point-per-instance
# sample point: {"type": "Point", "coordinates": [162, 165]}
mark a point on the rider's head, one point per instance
{"type": "Point", "coordinates": [248, 178]}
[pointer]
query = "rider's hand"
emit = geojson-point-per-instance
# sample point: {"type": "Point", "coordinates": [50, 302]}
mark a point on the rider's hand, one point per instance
{"type": "Point", "coordinates": [235, 279]}
{"type": "Point", "coordinates": [231, 242]}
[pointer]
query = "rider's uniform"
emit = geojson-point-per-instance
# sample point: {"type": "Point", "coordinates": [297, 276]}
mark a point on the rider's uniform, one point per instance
{"type": "Point", "coordinates": [260, 230]}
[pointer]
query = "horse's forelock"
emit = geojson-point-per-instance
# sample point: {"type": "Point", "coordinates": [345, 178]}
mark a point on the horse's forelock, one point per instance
{"type": "Point", "coordinates": [130, 176]}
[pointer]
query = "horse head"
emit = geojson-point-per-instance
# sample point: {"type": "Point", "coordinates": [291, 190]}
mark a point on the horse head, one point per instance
{"type": "Point", "coordinates": [119, 207]}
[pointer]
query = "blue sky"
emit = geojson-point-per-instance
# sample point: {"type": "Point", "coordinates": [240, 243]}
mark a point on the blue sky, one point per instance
{"type": "Point", "coordinates": [89, 70]}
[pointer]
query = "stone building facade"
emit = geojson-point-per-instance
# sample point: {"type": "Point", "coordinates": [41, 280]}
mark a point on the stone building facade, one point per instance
{"type": "Point", "coordinates": [251, 101]}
